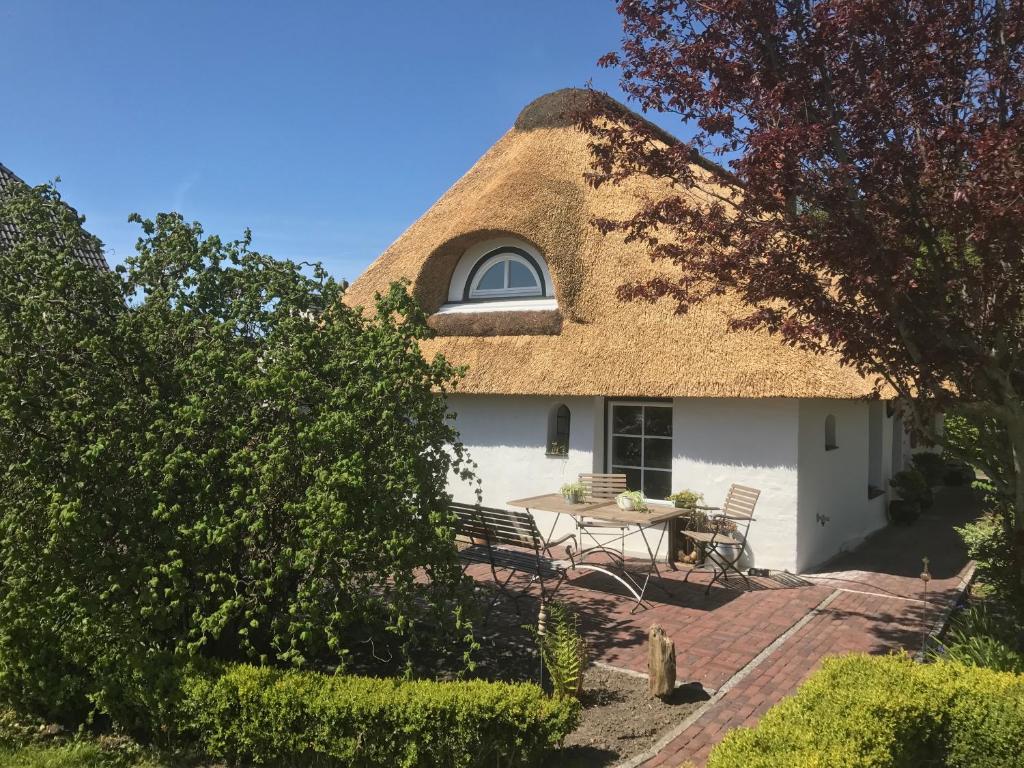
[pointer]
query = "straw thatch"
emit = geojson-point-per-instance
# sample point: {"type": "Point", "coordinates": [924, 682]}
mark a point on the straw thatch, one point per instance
{"type": "Point", "coordinates": [520, 323]}
{"type": "Point", "coordinates": [530, 185]}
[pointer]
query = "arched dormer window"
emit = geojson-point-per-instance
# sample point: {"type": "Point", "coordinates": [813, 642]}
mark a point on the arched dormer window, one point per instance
{"type": "Point", "coordinates": [506, 272]}
{"type": "Point", "coordinates": [501, 274]}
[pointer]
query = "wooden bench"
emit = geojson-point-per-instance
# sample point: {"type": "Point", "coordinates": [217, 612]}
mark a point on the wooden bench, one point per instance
{"type": "Point", "coordinates": [508, 540]}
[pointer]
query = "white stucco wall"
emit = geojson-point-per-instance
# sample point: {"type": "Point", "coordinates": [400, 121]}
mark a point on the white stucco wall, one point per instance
{"type": "Point", "coordinates": [718, 442]}
{"type": "Point", "coordinates": [814, 503]}
{"type": "Point", "coordinates": [835, 513]}
{"type": "Point", "coordinates": [507, 436]}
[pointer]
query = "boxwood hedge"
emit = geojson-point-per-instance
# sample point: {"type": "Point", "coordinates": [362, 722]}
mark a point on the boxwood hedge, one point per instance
{"type": "Point", "coordinates": [887, 712]}
{"type": "Point", "coordinates": [259, 715]}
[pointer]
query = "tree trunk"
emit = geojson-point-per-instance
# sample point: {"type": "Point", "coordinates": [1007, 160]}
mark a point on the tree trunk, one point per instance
{"type": "Point", "coordinates": [661, 662]}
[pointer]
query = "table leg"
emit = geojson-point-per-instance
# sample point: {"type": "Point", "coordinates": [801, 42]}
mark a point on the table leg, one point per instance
{"type": "Point", "coordinates": [653, 570]}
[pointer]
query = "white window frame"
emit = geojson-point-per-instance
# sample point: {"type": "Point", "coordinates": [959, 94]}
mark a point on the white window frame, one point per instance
{"type": "Point", "coordinates": [610, 434]}
{"type": "Point", "coordinates": [475, 292]}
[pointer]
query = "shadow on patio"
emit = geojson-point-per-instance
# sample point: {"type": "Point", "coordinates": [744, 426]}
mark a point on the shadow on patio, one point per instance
{"type": "Point", "coordinates": [890, 562]}
{"type": "Point", "coordinates": [880, 604]}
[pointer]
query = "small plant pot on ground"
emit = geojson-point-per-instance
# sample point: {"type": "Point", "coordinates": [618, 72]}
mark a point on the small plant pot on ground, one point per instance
{"type": "Point", "coordinates": [903, 512]}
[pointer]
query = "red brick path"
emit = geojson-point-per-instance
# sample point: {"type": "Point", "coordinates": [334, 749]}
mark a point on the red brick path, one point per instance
{"type": "Point", "coordinates": [877, 604]}
{"type": "Point", "coordinates": [871, 600]}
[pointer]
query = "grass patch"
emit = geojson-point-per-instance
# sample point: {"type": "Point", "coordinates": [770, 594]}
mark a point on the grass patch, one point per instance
{"type": "Point", "coordinates": [79, 754]}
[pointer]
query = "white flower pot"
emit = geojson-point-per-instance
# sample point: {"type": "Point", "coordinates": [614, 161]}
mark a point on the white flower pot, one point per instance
{"type": "Point", "coordinates": [724, 552]}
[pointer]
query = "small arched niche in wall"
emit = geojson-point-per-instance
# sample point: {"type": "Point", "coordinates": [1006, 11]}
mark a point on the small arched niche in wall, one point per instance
{"type": "Point", "coordinates": [830, 433]}
{"type": "Point", "coordinates": [559, 420]}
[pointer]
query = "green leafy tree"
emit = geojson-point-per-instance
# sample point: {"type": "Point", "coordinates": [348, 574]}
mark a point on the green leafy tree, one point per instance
{"type": "Point", "coordinates": [983, 442]}
{"type": "Point", "coordinates": [208, 454]}
{"type": "Point", "coordinates": [869, 205]}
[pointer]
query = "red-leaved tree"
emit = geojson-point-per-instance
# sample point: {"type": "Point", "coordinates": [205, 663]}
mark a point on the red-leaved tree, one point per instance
{"type": "Point", "coordinates": [870, 200]}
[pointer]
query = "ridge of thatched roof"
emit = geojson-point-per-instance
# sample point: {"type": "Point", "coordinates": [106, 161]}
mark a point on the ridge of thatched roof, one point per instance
{"type": "Point", "coordinates": [531, 185]}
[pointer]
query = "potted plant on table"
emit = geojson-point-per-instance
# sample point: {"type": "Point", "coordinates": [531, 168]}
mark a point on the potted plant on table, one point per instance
{"type": "Point", "coordinates": [686, 499]}
{"type": "Point", "coordinates": [573, 492]}
{"type": "Point", "coordinates": [631, 501]}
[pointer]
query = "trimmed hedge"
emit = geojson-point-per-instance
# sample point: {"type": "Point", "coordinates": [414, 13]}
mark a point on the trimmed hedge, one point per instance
{"type": "Point", "coordinates": [887, 712]}
{"type": "Point", "coordinates": [261, 715]}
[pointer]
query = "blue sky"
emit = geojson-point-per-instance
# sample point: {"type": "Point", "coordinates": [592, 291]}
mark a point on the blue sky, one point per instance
{"type": "Point", "coordinates": [326, 127]}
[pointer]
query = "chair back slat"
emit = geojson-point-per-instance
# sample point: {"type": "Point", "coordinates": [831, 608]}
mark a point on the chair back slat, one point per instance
{"type": "Point", "coordinates": [740, 502]}
{"type": "Point", "coordinates": [602, 486]}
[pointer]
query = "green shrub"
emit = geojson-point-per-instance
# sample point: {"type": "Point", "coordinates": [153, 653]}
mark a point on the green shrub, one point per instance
{"type": "Point", "coordinates": [912, 486]}
{"type": "Point", "coordinates": [980, 637]}
{"type": "Point", "coordinates": [209, 454]}
{"type": "Point", "coordinates": [931, 465]}
{"type": "Point", "coordinates": [261, 715]}
{"type": "Point", "coordinates": [887, 712]}
{"type": "Point", "coordinates": [957, 473]}
{"type": "Point", "coordinates": [989, 544]}
{"type": "Point", "coordinates": [984, 651]}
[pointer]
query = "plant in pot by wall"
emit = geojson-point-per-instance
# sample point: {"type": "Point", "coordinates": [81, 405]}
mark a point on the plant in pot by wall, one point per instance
{"type": "Point", "coordinates": [915, 495]}
{"type": "Point", "coordinates": [698, 520]}
{"type": "Point", "coordinates": [686, 499]}
{"type": "Point", "coordinates": [558, 449]}
{"type": "Point", "coordinates": [631, 501]}
{"type": "Point", "coordinates": [573, 492]}
{"type": "Point", "coordinates": [722, 525]}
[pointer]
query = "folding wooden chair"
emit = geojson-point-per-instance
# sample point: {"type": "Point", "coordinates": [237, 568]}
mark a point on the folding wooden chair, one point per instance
{"type": "Point", "coordinates": [602, 487]}
{"type": "Point", "coordinates": [738, 510]}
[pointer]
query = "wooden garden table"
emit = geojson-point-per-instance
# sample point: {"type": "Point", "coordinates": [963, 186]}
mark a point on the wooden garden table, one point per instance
{"type": "Point", "coordinates": [609, 512]}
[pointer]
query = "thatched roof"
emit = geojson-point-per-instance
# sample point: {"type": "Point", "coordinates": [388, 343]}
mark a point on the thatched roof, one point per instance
{"type": "Point", "coordinates": [531, 185]}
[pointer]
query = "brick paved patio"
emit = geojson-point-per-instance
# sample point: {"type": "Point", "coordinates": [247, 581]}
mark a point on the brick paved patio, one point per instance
{"type": "Point", "coordinates": [749, 648]}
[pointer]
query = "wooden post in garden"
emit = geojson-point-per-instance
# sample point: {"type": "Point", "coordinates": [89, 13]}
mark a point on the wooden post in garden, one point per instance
{"type": "Point", "coordinates": [661, 662]}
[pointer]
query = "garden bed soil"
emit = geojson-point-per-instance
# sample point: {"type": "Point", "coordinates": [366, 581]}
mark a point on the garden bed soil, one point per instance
{"type": "Point", "coordinates": [620, 719]}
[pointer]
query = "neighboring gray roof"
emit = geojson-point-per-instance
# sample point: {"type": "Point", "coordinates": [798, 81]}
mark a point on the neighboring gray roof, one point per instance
{"type": "Point", "coordinates": [86, 253]}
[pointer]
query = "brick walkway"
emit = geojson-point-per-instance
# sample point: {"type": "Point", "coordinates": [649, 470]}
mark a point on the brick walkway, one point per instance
{"type": "Point", "coordinates": [876, 603]}
{"type": "Point", "coordinates": [749, 648]}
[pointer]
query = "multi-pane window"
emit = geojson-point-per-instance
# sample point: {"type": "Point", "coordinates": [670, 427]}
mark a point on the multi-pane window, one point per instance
{"type": "Point", "coordinates": [640, 446]}
{"type": "Point", "coordinates": [505, 273]}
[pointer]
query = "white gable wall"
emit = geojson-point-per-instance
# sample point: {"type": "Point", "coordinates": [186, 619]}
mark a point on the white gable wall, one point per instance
{"type": "Point", "coordinates": [721, 441]}
{"type": "Point", "coordinates": [716, 442]}
{"type": "Point", "coordinates": [507, 436]}
{"type": "Point", "coordinates": [814, 503]}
